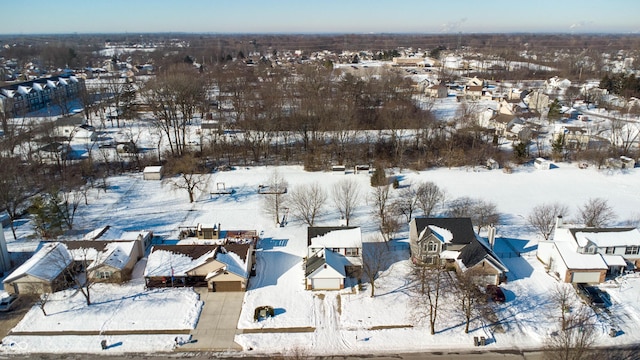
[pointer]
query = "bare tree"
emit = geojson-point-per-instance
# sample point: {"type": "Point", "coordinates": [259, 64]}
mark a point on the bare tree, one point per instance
{"type": "Point", "coordinates": [461, 207]}
{"type": "Point", "coordinates": [345, 195]}
{"type": "Point", "coordinates": [307, 202]}
{"type": "Point", "coordinates": [406, 203]}
{"type": "Point", "coordinates": [543, 217]}
{"type": "Point", "coordinates": [380, 198]}
{"type": "Point", "coordinates": [576, 340]}
{"type": "Point", "coordinates": [15, 187]}
{"type": "Point", "coordinates": [484, 213]}
{"type": "Point", "coordinates": [188, 176]}
{"type": "Point", "coordinates": [596, 212]}
{"type": "Point", "coordinates": [432, 282]}
{"type": "Point", "coordinates": [81, 275]}
{"type": "Point", "coordinates": [375, 260]}
{"type": "Point", "coordinates": [275, 197]}
{"type": "Point", "coordinates": [428, 196]}
{"type": "Point", "coordinates": [468, 295]}
{"type": "Point", "coordinates": [563, 296]}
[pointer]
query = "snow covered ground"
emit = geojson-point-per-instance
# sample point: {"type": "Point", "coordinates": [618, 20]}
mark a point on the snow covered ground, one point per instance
{"type": "Point", "coordinates": [340, 322]}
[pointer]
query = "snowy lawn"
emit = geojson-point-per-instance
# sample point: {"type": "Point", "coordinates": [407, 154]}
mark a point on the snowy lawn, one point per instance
{"type": "Point", "coordinates": [340, 322]}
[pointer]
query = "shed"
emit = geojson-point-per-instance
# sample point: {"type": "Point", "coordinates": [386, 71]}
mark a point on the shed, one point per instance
{"type": "Point", "coordinates": [152, 173]}
{"type": "Point", "coordinates": [542, 164]}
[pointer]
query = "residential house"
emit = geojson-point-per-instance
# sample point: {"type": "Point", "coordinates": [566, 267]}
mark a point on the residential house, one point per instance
{"type": "Point", "coordinates": [452, 241]}
{"type": "Point", "coordinates": [507, 125]}
{"type": "Point", "coordinates": [324, 270]}
{"type": "Point", "coordinates": [335, 252]}
{"type": "Point", "coordinates": [587, 255]}
{"type": "Point", "coordinates": [45, 272]}
{"type": "Point", "coordinates": [20, 98]}
{"type": "Point", "coordinates": [105, 261]}
{"type": "Point", "coordinates": [438, 91]}
{"type": "Point", "coordinates": [218, 267]}
{"type": "Point", "coordinates": [479, 260]}
{"type": "Point", "coordinates": [109, 233]}
{"type": "Point", "coordinates": [432, 240]}
{"type": "Point", "coordinates": [473, 90]}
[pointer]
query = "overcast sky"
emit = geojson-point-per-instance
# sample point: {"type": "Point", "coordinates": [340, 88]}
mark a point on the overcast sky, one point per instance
{"type": "Point", "coordinates": [325, 16]}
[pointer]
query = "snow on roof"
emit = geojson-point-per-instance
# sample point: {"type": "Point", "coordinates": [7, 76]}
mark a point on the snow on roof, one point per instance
{"type": "Point", "coordinates": [112, 233]}
{"type": "Point", "coordinates": [609, 238]}
{"type": "Point", "coordinates": [575, 260]}
{"type": "Point", "coordinates": [46, 264]}
{"type": "Point", "coordinates": [164, 262]}
{"type": "Point", "coordinates": [152, 169]}
{"type": "Point", "coordinates": [233, 263]}
{"type": "Point", "coordinates": [449, 254]}
{"type": "Point", "coordinates": [442, 234]}
{"type": "Point", "coordinates": [341, 238]}
{"type": "Point", "coordinates": [116, 255]}
{"type": "Point", "coordinates": [614, 260]}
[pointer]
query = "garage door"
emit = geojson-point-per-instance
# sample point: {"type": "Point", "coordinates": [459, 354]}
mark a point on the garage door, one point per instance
{"type": "Point", "coordinates": [327, 284]}
{"type": "Point", "coordinates": [227, 286]}
{"type": "Point", "coordinates": [585, 277]}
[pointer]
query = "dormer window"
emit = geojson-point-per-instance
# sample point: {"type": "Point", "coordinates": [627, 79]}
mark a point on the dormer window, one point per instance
{"type": "Point", "coordinates": [591, 249]}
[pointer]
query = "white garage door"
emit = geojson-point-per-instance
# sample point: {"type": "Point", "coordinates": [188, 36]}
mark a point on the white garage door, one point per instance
{"type": "Point", "coordinates": [327, 284]}
{"type": "Point", "coordinates": [585, 277]}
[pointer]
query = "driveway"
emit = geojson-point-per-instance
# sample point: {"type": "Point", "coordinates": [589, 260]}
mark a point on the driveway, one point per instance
{"type": "Point", "coordinates": [8, 320]}
{"type": "Point", "coordinates": [217, 324]}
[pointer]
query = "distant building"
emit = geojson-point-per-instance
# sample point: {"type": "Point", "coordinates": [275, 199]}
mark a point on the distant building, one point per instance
{"type": "Point", "coordinates": [20, 98]}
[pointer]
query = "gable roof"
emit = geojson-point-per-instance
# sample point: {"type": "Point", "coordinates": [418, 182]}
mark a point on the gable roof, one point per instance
{"type": "Point", "coordinates": [476, 252]}
{"type": "Point", "coordinates": [322, 258]}
{"type": "Point", "coordinates": [334, 237]}
{"type": "Point", "coordinates": [233, 262]}
{"type": "Point", "coordinates": [115, 255]}
{"type": "Point", "coordinates": [165, 260]}
{"type": "Point", "coordinates": [461, 229]}
{"type": "Point", "coordinates": [46, 264]}
{"type": "Point", "coordinates": [607, 237]}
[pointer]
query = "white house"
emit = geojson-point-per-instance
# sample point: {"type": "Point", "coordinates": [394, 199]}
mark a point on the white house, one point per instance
{"type": "Point", "coordinates": [587, 255]}
{"type": "Point", "coordinates": [335, 252]}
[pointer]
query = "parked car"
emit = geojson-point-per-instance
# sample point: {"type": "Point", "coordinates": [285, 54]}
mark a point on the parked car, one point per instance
{"type": "Point", "coordinates": [592, 294]}
{"type": "Point", "coordinates": [8, 302]}
{"type": "Point", "coordinates": [496, 293]}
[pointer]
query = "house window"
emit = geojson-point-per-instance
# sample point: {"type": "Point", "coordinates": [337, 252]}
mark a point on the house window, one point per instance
{"type": "Point", "coordinates": [336, 250]}
{"type": "Point", "coordinates": [104, 274]}
{"type": "Point", "coordinates": [610, 250]}
{"type": "Point", "coordinates": [591, 249]}
{"type": "Point", "coordinates": [432, 247]}
{"type": "Point", "coordinates": [352, 252]}
{"type": "Point", "coordinates": [631, 250]}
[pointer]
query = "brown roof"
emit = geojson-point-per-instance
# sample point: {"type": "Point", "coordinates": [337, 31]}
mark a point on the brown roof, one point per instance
{"type": "Point", "coordinates": [240, 249]}
{"type": "Point", "coordinates": [192, 251]}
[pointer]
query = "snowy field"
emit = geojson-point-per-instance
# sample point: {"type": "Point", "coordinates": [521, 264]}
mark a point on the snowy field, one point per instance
{"type": "Point", "coordinates": [340, 322]}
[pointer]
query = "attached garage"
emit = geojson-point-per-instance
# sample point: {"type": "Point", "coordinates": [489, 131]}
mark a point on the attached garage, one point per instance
{"type": "Point", "coordinates": [586, 277]}
{"type": "Point", "coordinates": [226, 286]}
{"type": "Point", "coordinates": [324, 271]}
{"type": "Point", "coordinates": [326, 284]}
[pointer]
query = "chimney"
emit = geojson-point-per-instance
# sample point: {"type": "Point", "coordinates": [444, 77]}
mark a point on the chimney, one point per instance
{"type": "Point", "coordinates": [492, 236]}
{"type": "Point", "coordinates": [558, 221]}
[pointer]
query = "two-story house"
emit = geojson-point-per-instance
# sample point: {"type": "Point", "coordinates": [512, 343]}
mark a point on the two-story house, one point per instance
{"type": "Point", "coordinates": [334, 254]}
{"type": "Point", "coordinates": [587, 255]}
{"type": "Point", "coordinates": [452, 241]}
{"type": "Point", "coordinates": [437, 239]}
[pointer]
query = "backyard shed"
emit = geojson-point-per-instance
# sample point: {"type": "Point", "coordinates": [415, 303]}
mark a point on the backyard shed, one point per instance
{"type": "Point", "coordinates": [152, 173]}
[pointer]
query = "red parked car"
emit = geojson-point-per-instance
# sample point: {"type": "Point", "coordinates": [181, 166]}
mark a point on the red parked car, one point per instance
{"type": "Point", "coordinates": [496, 294]}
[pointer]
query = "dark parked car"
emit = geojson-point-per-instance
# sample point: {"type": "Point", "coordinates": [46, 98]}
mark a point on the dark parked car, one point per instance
{"type": "Point", "coordinates": [496, 294]}
{"type": "Point", "coordinates": [7, 302]}
{"type": "Point", "coordinates": [592, 294]}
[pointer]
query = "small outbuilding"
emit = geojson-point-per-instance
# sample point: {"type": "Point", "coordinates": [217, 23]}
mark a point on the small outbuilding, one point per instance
{"type": "Point", "coordinates": [152, 173]}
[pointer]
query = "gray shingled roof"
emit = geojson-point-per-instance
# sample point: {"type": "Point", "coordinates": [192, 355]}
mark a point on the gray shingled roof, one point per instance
{"type": "Point", "coordinates": [461, 228]}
